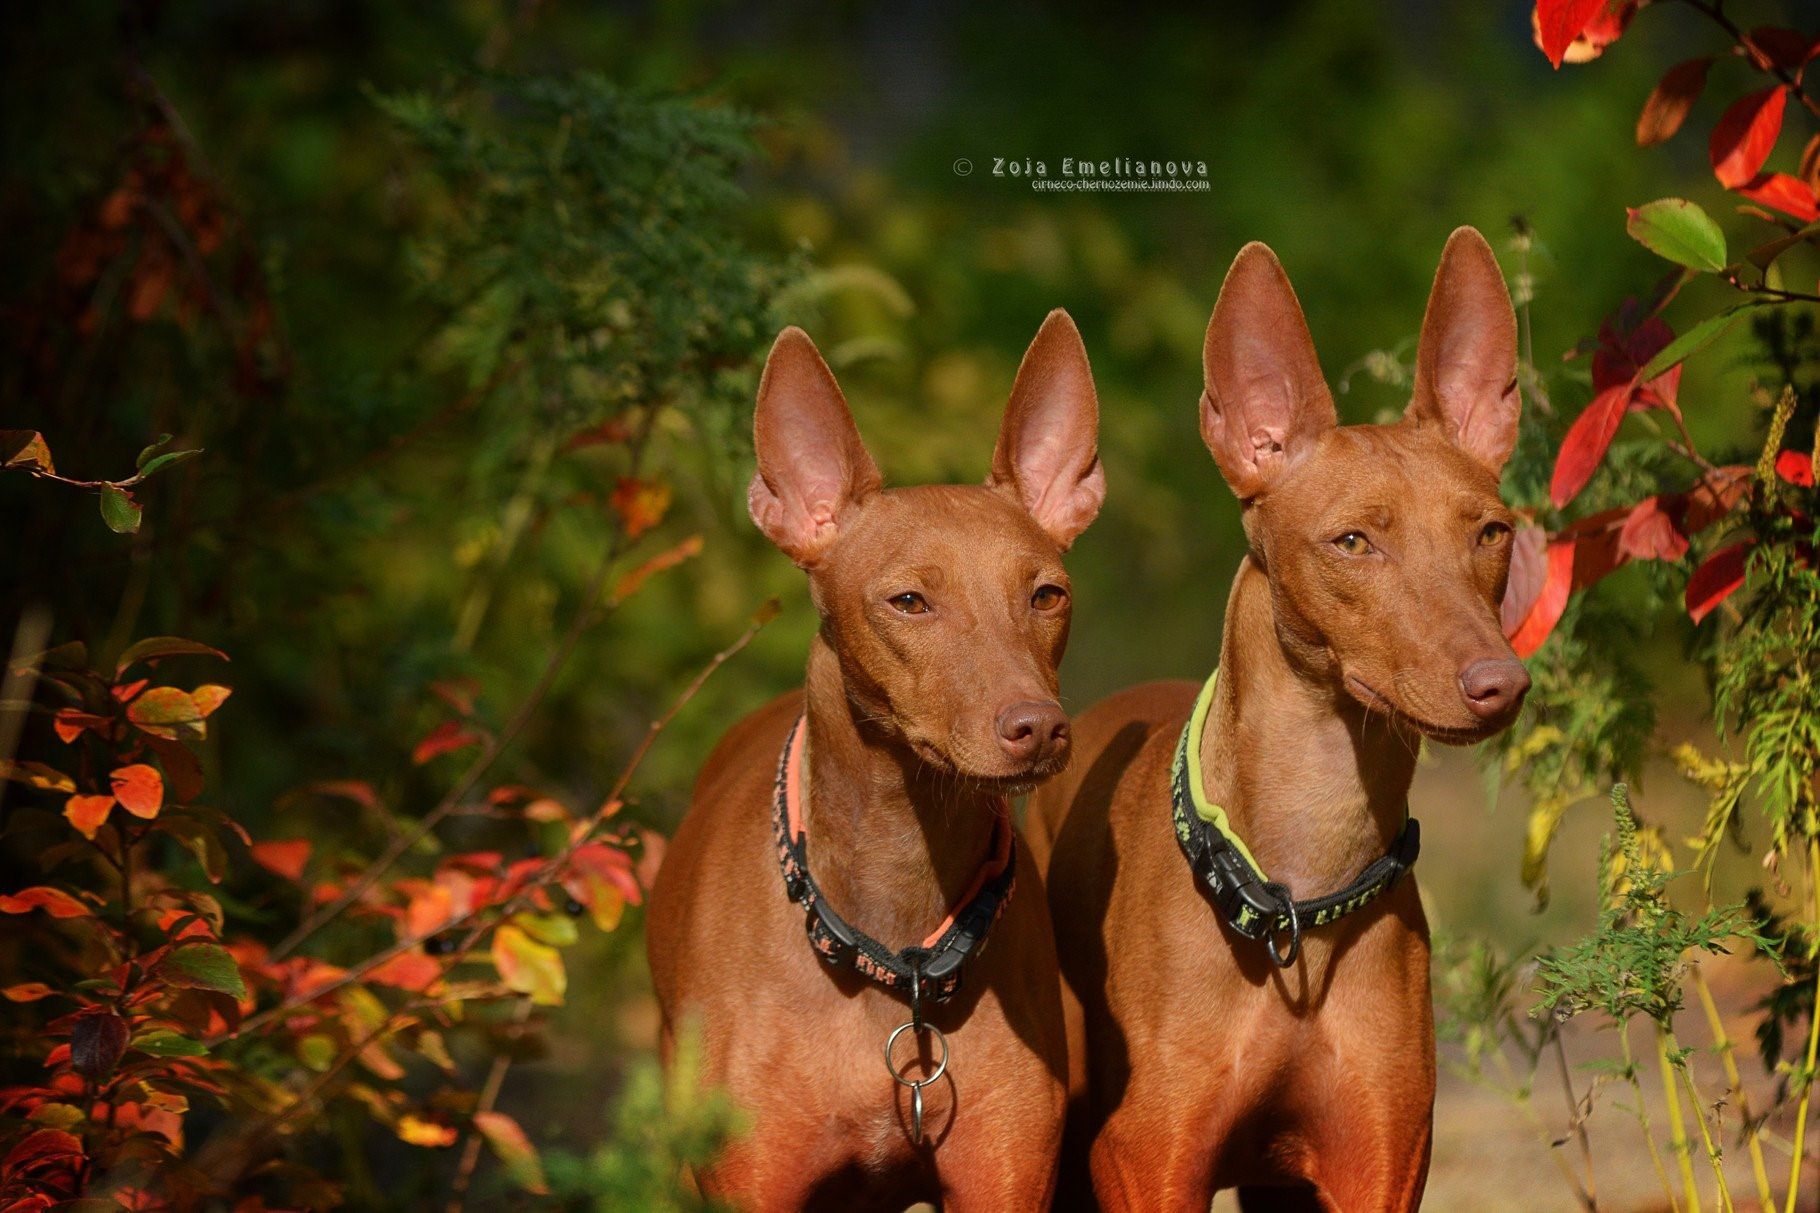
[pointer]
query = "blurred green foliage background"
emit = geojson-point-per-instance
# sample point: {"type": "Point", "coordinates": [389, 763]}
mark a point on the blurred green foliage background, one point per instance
{"type": "Point", "coordinates": [372, 514]}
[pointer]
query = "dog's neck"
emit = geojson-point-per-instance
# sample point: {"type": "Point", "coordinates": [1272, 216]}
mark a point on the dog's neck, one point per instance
{"type": "Point", "coordinates": [1315, 786]}
{"type": "Point", "coordinates": [893, 844]}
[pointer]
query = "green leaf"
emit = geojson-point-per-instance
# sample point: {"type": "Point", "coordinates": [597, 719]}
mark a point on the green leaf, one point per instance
{"type": "Point", "coordinates": [166, 460]}
{"type": "Point", "coordinates": [148, 452]}
{"type": "Point", "coordinates": [1680, 231]}
{"type": "Point", "coordinates": [203, 966]}
{"type": "Point", "coordinates": [1698, 338]}
{"type": "Point", "coordinates": [25, 449]}
{"type": "Point", "coordinates": [165, 1043]}
{"type": "Point", "coordinates": [119, 510]}
{"type": "Point", "coordinates": [164, 646]}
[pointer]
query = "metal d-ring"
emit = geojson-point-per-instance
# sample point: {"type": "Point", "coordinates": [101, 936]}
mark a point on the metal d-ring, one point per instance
{"type": "Point", "coordinates": [1285, 957]}
{"type": "Point", "coordinates": [916, 1085]}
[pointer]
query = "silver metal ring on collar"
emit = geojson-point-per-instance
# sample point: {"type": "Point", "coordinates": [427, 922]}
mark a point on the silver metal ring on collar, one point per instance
{"type": "Point", "coordinates": [941, 1067]}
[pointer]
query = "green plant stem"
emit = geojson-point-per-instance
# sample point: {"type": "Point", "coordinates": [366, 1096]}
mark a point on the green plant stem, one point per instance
{"type": "Point", "coordinates": [1728, 1057]}
{"type": "Point", "coordinates": [1649, 1133]}
{"type": "Point", "coordinates": [1813, 1032]}
{"type": "Point", "coordinates": [1714, 1155]}
{"type": "Point", "coordinates": [1677, 1134]}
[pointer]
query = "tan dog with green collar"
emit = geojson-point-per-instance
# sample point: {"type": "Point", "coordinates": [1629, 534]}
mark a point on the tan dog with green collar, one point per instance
{"type": "Point", "coordinates": [1364, 619]}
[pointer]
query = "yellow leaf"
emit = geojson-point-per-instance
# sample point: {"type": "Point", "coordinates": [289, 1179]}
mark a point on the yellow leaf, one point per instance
{"type": "Point", "coordinates": [529, 967]}
{"type": "Point", "coordinates": [420, 1132]}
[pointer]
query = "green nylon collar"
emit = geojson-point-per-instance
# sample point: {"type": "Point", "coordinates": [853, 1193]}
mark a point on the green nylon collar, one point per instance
{"type": "Point", "coordinates": [1252, 904]}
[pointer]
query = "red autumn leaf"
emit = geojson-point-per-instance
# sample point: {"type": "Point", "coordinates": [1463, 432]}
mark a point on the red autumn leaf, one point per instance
{"type": "Point", "coordinates": [97, 1042]}
{"type": "Point", "coordinates": [1626, 345]}
{"type": "Point", "coordinates": [444, 738]}
{"type": "Point", "coordinates": [1717, 578]}
{"type": "Point", "coordinates": [153, 647]}
{"type": "Point", "coordinates": [54, 902]}
{"type": "Point", "coordinates": [284, 857]}
{"type": "Point", "coordinates": [1586, 442]}
{"type": "Point", "coordinates": [357, 790]}
{"type": "Point", "coordinates": [139, 789]}
{"type": "Point", "coordinates": [1772, 46]}
{"type": "Point", "coordinates": [182, 769]}
{"type": "Point", "coordinates": [1650, 533]}
{"type": "Point", "coordinates": [162, 711]}
{"type": "Point", "coordinates": [600, 877]}
{"type": "Point", "coordinates": [1528, 573]}
{"type": "Point", "coordinates": [1546, 610]}
{"type": "Point", "coordinates": [1714, 497]}
{"type": "Point", "coordinates": [1668, 105]}
{"type": "Point", "coordinates": [1558, 22]}
{"type": "Point", "coordinates": [25, 449]}
{"type": "Point", "coordinates": [1796, 468]}
{"type": "Point", "coordinates": [1746, 134]}
{"type": "Point", "coordinates": [124, 691]}
{"type": "Point", "coordinates": [1790, 195]}
{"type": "Point", "coordinates": [597, 435]}
{"type": "Point", "coordinates": [87, 813]}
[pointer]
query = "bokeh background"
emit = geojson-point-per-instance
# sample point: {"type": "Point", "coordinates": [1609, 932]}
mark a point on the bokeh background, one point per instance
{"type": "Point", "coordinates": [350, 535]}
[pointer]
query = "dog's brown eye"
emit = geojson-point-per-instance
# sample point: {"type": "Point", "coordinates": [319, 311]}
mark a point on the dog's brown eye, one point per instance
{"type": "Point", "coordinates": [1353, 543]}
{"type": "Point", "coordinates": [1493, 533]}
{"type": "Point", "coordinates": [909, 603]}
{"type": "Point", "coordinates": [1048, 597]}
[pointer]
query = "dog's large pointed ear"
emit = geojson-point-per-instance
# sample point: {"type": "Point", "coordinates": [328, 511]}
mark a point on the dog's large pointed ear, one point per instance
{"type": "Point", "coordinates": [1466, 362]}
{"type": "Point", "coordinates": [1265, 403]}
{"type": "Point", "coordinates": [812, 466]}
{"type": "Point", "coordinates": [1048, 444]}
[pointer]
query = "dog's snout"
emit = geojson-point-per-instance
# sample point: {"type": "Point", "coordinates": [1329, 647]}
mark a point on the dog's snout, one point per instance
{"type": "Point", "coordinates": [1031, 730]}
{"type": "Point", "coordinates": [1494, 688]}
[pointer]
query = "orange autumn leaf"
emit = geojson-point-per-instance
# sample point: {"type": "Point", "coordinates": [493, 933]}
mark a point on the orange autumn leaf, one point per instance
{"type": "Point", "coordinates": [514, 1148]}
{"type": "Point", "coordinates": [54, 902]}
{"type": "Point", "coordinates": [139, 789]}
{"type": "Point", "coordinates": [209, 697]}
{"type": "Point", "coordinates": [87, 813]}
{"type": "Point", "coordinates": [529, 967]}
{"type": "Point", "coordinates": [669, 559]}
{"type": "Point", "coordinates": [417, 1131]}
{"type": "Point", "coordinates": [27, 991]}
{"type": "Point", "coordinates": [70, 723]}
{"type": "Point", "coordinates": [413, 970]}
{"type": "Point", "coordinates": [283, 857]}
{"type": "Point", "coordinates": [640, 504]}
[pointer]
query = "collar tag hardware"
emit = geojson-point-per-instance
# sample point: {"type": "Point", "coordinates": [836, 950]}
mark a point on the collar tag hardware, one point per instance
{"type": "Point", "coordinates": [1252, 905]}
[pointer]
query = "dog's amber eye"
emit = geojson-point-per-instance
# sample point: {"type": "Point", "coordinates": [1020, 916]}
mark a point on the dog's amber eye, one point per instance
{"type": "Point", "coordinates": [1493, 533]}
{"type": "Point", "coordinates": [909, 603]}
{"type": "Point", "coordinates": [1048, 597]}
{"type": "Point", "coordinates": [1353, 543]}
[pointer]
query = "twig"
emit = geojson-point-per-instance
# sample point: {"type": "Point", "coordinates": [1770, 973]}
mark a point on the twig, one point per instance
{"type": "Point", "coordinates": [537, 879]}
{"type": "Point", "coordinates": [586, 614]}
{"type": "Point", "coordinates": [489, 1095]}
{"type": "Point", "coordinates": [1575, 1118]}
{"type": "Point", "coordinates": [1717, 13]}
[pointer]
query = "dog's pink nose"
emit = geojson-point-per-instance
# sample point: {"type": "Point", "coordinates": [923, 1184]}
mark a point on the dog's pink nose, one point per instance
{"type": "Point", "coordinates": [1032, 731]}
{"type": "Point", "coordinates": [1494, 688]}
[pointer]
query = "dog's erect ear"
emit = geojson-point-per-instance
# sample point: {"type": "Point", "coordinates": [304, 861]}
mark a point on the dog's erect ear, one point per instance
{"type": "Point", "coordinates": [1265, 403]}
{"type": "Point", "coordinates": [812, 466]}
{"type": "Point", "coordinates": [1466, 362]}
{"type": "Point", "coordinates": [1048, 444]}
